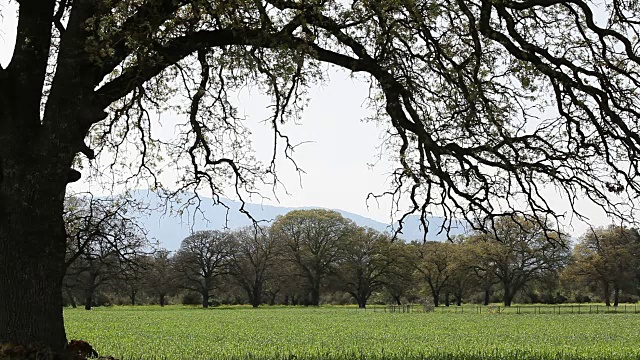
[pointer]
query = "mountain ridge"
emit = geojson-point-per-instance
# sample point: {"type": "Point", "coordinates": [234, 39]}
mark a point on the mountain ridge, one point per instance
{"type": "Point", "coordinates": [171, 229]}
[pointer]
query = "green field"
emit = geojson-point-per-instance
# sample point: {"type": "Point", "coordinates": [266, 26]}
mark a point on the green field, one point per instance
{"type": "Point", "coordinates": [345, 333]}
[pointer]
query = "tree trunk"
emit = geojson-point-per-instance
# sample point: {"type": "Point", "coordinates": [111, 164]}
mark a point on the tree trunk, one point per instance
{"type": "Point", "coordinates": [446, 299]}
{"type": "Point", "coordinates": [35, 166]}
{"type": "Point", "coordinates": [397, 299]}
{"type": "Point", "coordinates": [315, 295]}
{"type": "Point", "coordinates": [205, 299]}
{"type": "Point", "coordinates": [607, 295]}
{"type": "Point", "coordinates": [616, 296]}
{"type": "Point", "coordinates": [132, 296]}
{"type": "Point", "coordinates": [458, 300]}
{"type": "Point", "coordinates": [32, 250]}
{"type": "Point", "coordinates": [256, 297]}
{"type": "Point", "coordinates": [508, 296]}
{"type": "Point", "coordinates": [362, 302]}
{"type": "Point", "coordinates": [487, 296]}
{"type": "Point", "coordinates": [161, 300]}
{"type": "Point", "coordinates": [436, 300]}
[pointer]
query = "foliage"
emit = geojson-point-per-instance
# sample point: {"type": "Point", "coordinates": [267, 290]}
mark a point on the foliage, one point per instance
{"type": "Point", "coordinates": [368, 264]}
{"type": "Point", "coordinates": [315, 240]}
{"type": "Point", "coordinates": [519, 251]}
{"type": "Point", "coordinates": [606, 258]}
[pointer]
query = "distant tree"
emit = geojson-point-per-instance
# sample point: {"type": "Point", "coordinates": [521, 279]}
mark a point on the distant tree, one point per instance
{"type": "Point", "coordinates": [435, 266]}
{"type": "Point", "coordinates": [367, 264]}
{"type": "Point", "coordinates": [290, 282]}
{"type": "Point", "coordinates": [131, 280]}
{"type": "Point", "coordinates": [315, 240]}
{"type": "Point", "coordinates": [521, 250]}
{"type": "Point", "coordinates": [202, 258]}
{"type": "Point", "coordinates": [463, 278]}
{"type": "Point", "coordinates": [482, 267]}
{"type": "Point", "coordinates": [159, 279]}
{"type": "Point", "coordinates": [608, 257]}
{"type": "Point", "coordinates": [253, 258]}
{"type": "Point", "coordinates": [104, 244]}
{"type": "Point", "coordinates": [399, 283]}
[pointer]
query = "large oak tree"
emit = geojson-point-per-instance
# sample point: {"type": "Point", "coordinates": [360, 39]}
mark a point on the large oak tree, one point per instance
{"type": "Point", "coordinates": [484, 101]}
{"type": "Point", "coordinates": [315, 241]}
{"type": "Point", "coordinates": [606, 258]}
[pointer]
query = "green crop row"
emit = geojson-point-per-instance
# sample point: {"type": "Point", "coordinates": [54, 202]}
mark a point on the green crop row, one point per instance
{"type": "Point", "coordinates": [335, 333]}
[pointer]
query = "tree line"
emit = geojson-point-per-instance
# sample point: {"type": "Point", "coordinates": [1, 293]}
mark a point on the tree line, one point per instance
{"type": "Point", "coordinates": [309, 257]}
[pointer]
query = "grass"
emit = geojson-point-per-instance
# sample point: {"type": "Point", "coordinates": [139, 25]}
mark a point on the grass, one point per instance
{"type": "Point", "coordinates": [345, 333]}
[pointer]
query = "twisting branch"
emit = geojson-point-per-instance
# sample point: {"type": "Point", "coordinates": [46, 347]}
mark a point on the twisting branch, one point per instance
{"type": "Point", "coordinates": [486, 110]}
{"type": "Point", "coordinates": [57, 17]}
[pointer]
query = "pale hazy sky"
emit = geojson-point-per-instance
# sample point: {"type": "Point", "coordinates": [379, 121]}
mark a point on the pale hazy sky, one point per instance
{"type": "Point", "coordinates": [340, 149]}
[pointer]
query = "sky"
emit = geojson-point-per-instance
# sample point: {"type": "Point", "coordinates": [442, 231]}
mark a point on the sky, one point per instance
{"type": "Point", "coordinates": [340, 145]}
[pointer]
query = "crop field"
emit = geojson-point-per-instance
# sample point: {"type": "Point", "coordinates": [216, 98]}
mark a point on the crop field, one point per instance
{"type": "Point", "coordinates": [346, 333]}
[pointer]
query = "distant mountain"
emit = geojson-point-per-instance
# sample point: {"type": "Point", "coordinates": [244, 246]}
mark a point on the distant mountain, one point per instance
{"type": "Point", "coordinates": [171, 229]}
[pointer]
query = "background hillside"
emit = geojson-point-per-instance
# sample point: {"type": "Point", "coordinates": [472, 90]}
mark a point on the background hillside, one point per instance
{"type": "Point", "coordinates": [171, 229]}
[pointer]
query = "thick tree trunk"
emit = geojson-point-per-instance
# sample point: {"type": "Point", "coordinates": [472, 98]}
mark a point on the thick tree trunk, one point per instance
{"type": "Point", "coordinates": [255, 296]}
{"type": "Point", "coordinates": [508, 296]}
{"type": "Point", "coordinates": [132, 296]}
{"type": "Point", "coordinates": [362, 302]}
{"type": "Point", "coordinates": [315, 295]}
{"type": "Point", "coordinates": [205, 299]}
{"type": "Point", "coordinates": [446, 299]}
{"type": "Point", "coordinates": [36, 155]}
{"type": "Point", "coordinates": [458, 300]}
{"type": "Point", "coordinates": [161, 299]}
{"type": "Point", "coordinates": [32, 250]}
{"type": "Point", "coordinates": [616, 296]}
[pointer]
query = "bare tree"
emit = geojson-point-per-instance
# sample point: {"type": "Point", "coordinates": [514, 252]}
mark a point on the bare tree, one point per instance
{"type": "Point", "coordinates": [254, 255]}
{"type": "Point", "coordinates": [160, 279]}
{"type": "Point", "coordinates": [104, 244]}
{"type": "Point", "coordinates": [202, 258]}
